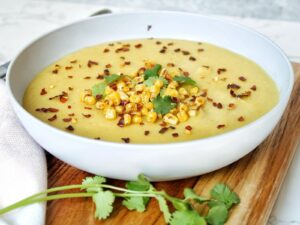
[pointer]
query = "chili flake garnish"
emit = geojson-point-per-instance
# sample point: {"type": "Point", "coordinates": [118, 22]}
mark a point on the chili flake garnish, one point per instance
{"type": "Point", "coordinates": [185, 52]}
{"type": "Point", "coordinates": [241, 119]}
{"type": "Point", "coordinates": [253, 88]}
{"type": "Point", "coordinates": [52, 110]}
{"type": "Point", "coordinates": [146, 132]}
{"type": "Point", "coordinates": [231, 105]}
{"type": "Point", "coordinates": [55, 71]}
{"type": "Point", "coordinates": [200, 50]}
{"type": "Point", "coordinates": [242, 78]}
{"type": "Point", "coordinates": [163, 130]}
{"type": "Point", "coordinates": [138, 45]}
{"type": "Point", "coordinates": [175, 135]}
{"type": "Point", "coordinates": [73, 61]}
{"type": "Point", "coordinates": [221, 126]}
{"type": "Point", "coordinates": [67, 120]}
{"type": "Point", "coordinates": [108, 65]}
{"type": "Point", "coordinates": [100, 77]}
{"type": "Point", "coordinates": [192, 58]}
{"type": "Point", "coordinates": [70, 128]}
{"type": "Point", "coordinates": [69, 106]}
{"type": "Point", "coordinates": [70, 77]}
{"type": "Point", "coordinates": [53, 118]}
{"type": "Point", "coordinates": [188, 127]}
{"type": "Point", "coordinates": [126, 140]}
{"type": "Point", "coordinates": [87, 78]}
{"type": "Point", "coordinates": [68, 67]}
{"type": "Point", "coordinates": [87, 115]}
{"type": "Point", "coordinates": [88, 108]}
{"type": "Point", "coordinates": [233, 86]}
{"type": "Point", "coordinates": [91, 63]}
{"type": "Point", "coordinates": [177, 50]}
{"type": "Point", "coordinates": [106, 50]}
{"type": "Point", "coordinates": [158, 42]}
{"type": "Point", "coordinates": [221, 70]}
{"type": "Point", "coordinates": [218, 105]}
{"type": "Point", "coordinates": [43, 91]}
{"type": "Point", "coordinates": [71, 114]}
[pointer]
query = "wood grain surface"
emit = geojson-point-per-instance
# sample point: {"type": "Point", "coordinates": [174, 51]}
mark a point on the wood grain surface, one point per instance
{"type": "Point", "coordinates": [257, 179]}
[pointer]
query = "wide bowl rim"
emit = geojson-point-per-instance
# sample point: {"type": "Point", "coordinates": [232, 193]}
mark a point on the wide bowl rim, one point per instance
{"type": "Point", "coordinates": [283, 98]}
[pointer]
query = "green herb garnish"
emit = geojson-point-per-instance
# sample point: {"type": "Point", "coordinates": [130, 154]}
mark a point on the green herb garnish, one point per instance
{"type": "Point", "coordinates": [163, 105]}
{"type": "Point", "coordinates": [151, 80]}
{"type": "Point", "coordinates": [136, 196]}
{"type": "Point", "coordinates": [184, 80]}
{"type": "Point", "coordinates": [112, 78]}
{"type": "Point", "coordinates": [153, 72]}
{"type": "Point", "coordinates": [99, 89]}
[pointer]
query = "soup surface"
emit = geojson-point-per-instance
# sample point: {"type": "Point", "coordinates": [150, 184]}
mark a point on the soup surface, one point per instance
{"type": "Point", "coordinates": [150, 91]}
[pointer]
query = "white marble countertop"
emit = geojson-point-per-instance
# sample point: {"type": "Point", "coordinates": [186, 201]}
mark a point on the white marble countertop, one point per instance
{"type": "Point", "coordinates": [23, 20]}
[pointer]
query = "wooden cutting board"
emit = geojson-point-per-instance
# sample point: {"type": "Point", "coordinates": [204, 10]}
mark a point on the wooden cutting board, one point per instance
{"type": "Point", "coordinates": [257, 179]}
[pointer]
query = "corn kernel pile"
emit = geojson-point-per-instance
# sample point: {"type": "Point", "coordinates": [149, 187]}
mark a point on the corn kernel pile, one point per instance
{"type": "Point", "coordinates": [152, 94]}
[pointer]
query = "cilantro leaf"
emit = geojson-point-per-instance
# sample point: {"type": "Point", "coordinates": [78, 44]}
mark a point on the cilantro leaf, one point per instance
{"type": "Point", "coordinates": [189, 217]}
{"type": "Point", "coordinates": [99, 89]}
{"type": "Point", "coordinates": [190, 194]}
{"type": "Point", "coordinates": [103, 201]}
{"type": "Point", "coordinates": [222, 193]}
{"type": "Point", "coordinates": [153, 72]}
{"type": "Point", "coordinates": [184, 80]}
{"type": "Point", "coordinates": [138, 203]}
{"type": "Point", "coordinates": [151, 80]}
{"type": "Point", "coordinates": [112, 78]}
{"type": "Point", "coordinates": [93, 180]}
{"type": "Point", "coordinates": [217, 215]}
{"type": "Point", "coordinates": [163, 105]}
{"type": "Point", "coordinates": [164, 208]}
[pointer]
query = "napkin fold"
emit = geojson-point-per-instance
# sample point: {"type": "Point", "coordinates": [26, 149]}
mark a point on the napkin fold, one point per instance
{"type": "Point", "coordinates": [23, 169]}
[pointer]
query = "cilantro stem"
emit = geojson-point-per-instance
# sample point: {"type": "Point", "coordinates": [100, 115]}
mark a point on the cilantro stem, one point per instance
{"type": "Point", "coordinates": [32, 200]}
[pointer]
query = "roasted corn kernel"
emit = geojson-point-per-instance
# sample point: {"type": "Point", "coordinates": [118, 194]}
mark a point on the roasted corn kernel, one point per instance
{"type": "Point", "coordinates": [151, 117]}
{"type": "Point", "coordinates": [182, 116]}
{"type": "Point", "coordinates": [170, 119]}
{"type": "Point", "coordinates": [110, 113]}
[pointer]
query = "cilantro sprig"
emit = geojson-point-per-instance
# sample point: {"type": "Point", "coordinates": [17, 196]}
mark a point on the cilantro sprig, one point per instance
{"type": "Point", "coordinates": [185, 80]}
{"type": "Point", "coordinates": [99, 89]}
{"type": "Point", "coordinates": [163, 105]}
{"type": "Point", "coordinates": [136, 196]}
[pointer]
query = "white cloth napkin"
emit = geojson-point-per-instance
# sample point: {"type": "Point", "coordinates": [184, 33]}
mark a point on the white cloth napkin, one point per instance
{"type": "Point", "coordinates": [22, 168]}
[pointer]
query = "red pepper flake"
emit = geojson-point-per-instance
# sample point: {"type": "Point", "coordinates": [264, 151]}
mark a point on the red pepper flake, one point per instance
{"type": "Point", "coordinates": [70, 128]}
{"type": "Point", "coordinates": [106, 72]}
{"type": "Point", "coordinates": [52, 110]}
{"type": "Point", "coordinates": [127, 63]}
{"type": "Point", "coordinates": [98, 97]}
{"type": "Point", "coordinates": [70, 77]}
{"type": "Point", "coordinates": [73, 61]}
{"type": "Point", "coordinates": [67, 120]}
{"type": "Point", "coordinates": [70, 88]}
{"type": "Point", "coordinates": [122, 49]}
{"type": "Point", "coordinates": [192, 58]}
{"type": "Point", "coordinates": [53, 118]}
{"type": "Point", "coordinates": [121, 122]}
{"type": "Point", "coordinates": [218, 105]}
{"type": "Point", "coordinates": [204, 94]}
{"type": "Point", "coordinates": [177, 50]}
{"type": "Point", "coordinates": [87, 115]}
{"type": "Point", "coordinates": [68, 67]}
{"type": "Point", "coordinates": [100, 77]}
{"type": "Point", "coordinates": [55, 71]}
{"type": "Point", "coordinates": [71, 114]}
{"type": "Point", "coordinates": [91, 63]}
{"type": "Point", "coordinates": [146, 132]}
{"type": "Point", "coordinates": [158, 42]}
{"type": "Point", "coordinates": [43, 91]}
{"type": "Point", "coordinates": [87, 78]}
{"type": "Point", "coordinates": [244, 94]}
{"type": "Point", "coordinates": [186, 73]}
{"type": "Point", "coordinates": [163, 130]}
{"type": "Point", "coordinates": [106, 50]}
{"type": "Point", "coordinates": [242, 78]}
{"type": "Point", "coordinates": [170, 44]}
{"type": "Point", "coordinates": [232, 93]}
{"type": "Point", "coordinates": [185, 52]}
{"type": "Point", "coordinates": [221, 70]}
{"type": "Point", "coordinates": [97, 138]}
{"type": "Point", "coordinates": [163, 50]}
{"type": "Point", "coordinates": [209, 99]}
{"type": "Point", "coordinates": [88, 108]}
{"type": "Point", "coordinates": [188, 127]}
{"type": "Point", "coordinates": [231, 105]}
{"type": "Point", "coordinates": [69, 106]}
{"type": "Point", "coordinates": [200, 49]}
{"type": "Point", "coordinates": [172, 127]}
{"type": "Point", "coordinates": [233, 86]}
{"type": "Point", "coordinates": [63, 99]}
{"type": "Point", "coordinates": [241, 119]}
{"type": "Point", "coordinates": [126, 140]}
{"type": "Point", "coordinates": [175, 135]}
{"type": "Point", "coordinates": [170, 64]}
{"type": "Point", "coordinates": [138, 45]}
{"type": "Point", "coordinates": [163, 124]}
{"type": "Point", "coordinates": [221, 126]}
{"type": "Point", "coordinates": [253, 88]}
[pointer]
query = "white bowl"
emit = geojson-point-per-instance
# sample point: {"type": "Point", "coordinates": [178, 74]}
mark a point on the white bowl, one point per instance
{"type": "Point", "coordinates": [157, 161]}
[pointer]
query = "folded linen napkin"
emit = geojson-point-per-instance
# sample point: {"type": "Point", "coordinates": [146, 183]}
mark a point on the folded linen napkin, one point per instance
{"type": "Point", "coordinates": [22, 168]}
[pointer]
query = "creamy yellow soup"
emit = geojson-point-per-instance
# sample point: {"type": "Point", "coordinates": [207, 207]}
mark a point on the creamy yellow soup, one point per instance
{"type": "Point", "coordinates": [222, 91]}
